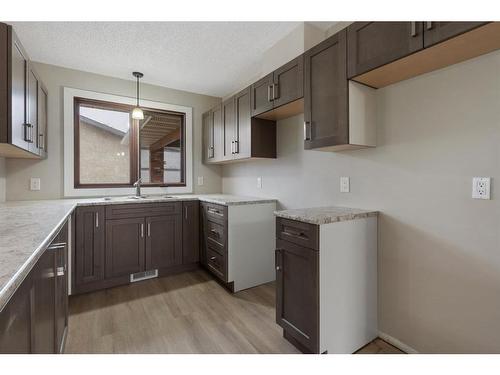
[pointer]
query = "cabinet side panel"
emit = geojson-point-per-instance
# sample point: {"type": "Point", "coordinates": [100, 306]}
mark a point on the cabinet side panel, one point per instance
{"type": "Point", "coordinates": [348, 285]}
{"type": "Point", "coordinates": [251, 244]}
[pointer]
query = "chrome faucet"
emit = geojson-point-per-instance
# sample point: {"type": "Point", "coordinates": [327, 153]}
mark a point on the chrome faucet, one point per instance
{"type": "Point", "coordinates": [137, 186]}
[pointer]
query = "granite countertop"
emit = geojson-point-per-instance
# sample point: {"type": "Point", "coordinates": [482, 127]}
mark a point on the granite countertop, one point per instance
{"type": "Point", "coordinates": [28, 227]}
{"type": "Point", "coordinates": [325, 215]}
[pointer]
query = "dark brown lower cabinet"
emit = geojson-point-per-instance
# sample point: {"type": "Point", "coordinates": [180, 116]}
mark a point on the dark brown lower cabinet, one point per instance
{"type": "Point", "coordinates": [35, 318]}
{"type": "Point", "coordinates": [163, 241]}
{"type": "Point", "coordinates": [89, 247]}
{"type": "Point", "coordinates": [190, 232]}
{"type": "Point", "coordinates": [297, 294]}
{"type": "Point", "coordinates": [15, 321]}
{"type": "Point", "coordinates": [124, 246]}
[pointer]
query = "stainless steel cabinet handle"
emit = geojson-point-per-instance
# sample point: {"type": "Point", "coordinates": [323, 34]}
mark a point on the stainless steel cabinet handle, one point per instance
{"type": "Point", "coordinates": [307, 131]}
{"type": "Point", "coordinates": [413, 31]}
{"type": "Point", "coordinates": [55, 246]}
{"type": "Point", "coordinates": [236, 147]}
{"type": "Point", "coordinates": [269, 97]}
{"type": "Point", "coordinates": [214, 232]}
{"type": "Point", "coordinates": [278, 268]}
{"type": "Point", "coordinates": [212, 258]}
{"type": "Point", "coordinates": [149, 229]}
{"type": "Point", "coordinates": [142, 230]}
{"type": "Point", "coordinates": [41, 145]}
{"type": "Point", "coordinates": [232, 147]}
{"type": "Point", "coordinates": [212, 211]}
{"type": "Point", "coordinates": [428, 24]}
{"type": "Point", "coordinates": [275, 91]}
{"type": "Point", "coordinates": [60, 271]}
{"type": "Point", "coordinates": [97, 219]}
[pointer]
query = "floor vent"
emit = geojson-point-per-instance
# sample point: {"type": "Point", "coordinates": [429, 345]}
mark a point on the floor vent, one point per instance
{"type": "Point", "coordinates": [139, 276]}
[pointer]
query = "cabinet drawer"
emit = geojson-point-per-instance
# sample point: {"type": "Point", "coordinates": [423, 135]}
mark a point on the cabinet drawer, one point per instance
{"type": "Point", "coordinates": [216, 233]}
{"type": "Point", "coordinates": [217, 263]}
{"type": "Point", "coordinates": [215, 212]}
{"type": "Point", "coordinates": [302, 234]}
{"type": "Point", "coordinates": [125, 211]}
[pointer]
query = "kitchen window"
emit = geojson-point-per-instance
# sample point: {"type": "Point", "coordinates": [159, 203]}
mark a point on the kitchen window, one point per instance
{"type": "Point", "coordinates": [113, 150]}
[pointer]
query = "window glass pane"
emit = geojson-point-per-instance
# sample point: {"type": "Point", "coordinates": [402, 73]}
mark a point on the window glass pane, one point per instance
{"type": "Point", "coordinates": [161, 148]}
{"type": "Point", "coordinates": [104, 146]}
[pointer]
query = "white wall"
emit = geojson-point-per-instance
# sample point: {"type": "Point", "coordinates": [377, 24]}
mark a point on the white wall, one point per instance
{"type": "Point", "coordinates": [51, 170]}
{"type": "Point", "coordinates": [3, 173]}
{"type": "Point", "coordinates": [439, 250]}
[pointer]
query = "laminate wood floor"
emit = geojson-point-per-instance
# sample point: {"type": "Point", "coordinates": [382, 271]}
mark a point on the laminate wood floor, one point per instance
{"type": "Point", "coordinates": [184, 313]}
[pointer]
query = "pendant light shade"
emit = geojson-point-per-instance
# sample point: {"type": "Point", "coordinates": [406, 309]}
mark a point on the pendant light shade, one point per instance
{"type": "Point", "coordinates": [137, 113]}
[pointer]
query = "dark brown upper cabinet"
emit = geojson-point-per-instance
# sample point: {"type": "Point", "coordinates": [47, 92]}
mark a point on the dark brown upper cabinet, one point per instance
{"type": "Point", "coordinates": [19, 100]}
{"type": "Point", "coordinates": [373, 44]}
{"type": "Point", "coordinates": [42, 121]}
{"type": "Point", "coordinates": [213, 135]}
{"type": "Point", "coordinates": [437, 32]}
{"type": "Point", "coordinates": [277, 95]}
{"type": "Point", "coordinates": [208, 137]}
{"type": "Point", "coordinates": [383, 53]}
{"type": "Point", "coordinates": [243, 136]}
{"type": "Point", "coordinates": [229, 129]}
{"type": "Point", "coordinates": [163, 241]}
{"type": "Point", "coordinates": [326, 122]}
{"type": "Point", "coordinates": [89, 247]}
{"type": "Point", "coordinates": [190, 232]}
{"type": "Point", "coordinates": [262, 95]}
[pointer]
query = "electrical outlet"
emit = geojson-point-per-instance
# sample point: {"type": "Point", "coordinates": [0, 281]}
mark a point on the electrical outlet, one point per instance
{"type": "Point", "coordinates": [344, 185]}
{"type": "Point", "coordinates": [200, 181]}
{"type": "Point", "coordinates": [34, 183]}
{"type": "Point", "coordinates": [259, 182]}
{"type": "Point", "coordinates": [481, 187]}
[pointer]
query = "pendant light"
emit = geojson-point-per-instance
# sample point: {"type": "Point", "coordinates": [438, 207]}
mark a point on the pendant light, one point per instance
{"type": "Point", "coordinates": [137, 113]}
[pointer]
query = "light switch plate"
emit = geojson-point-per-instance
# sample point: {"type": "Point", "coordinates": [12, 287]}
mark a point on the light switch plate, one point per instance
{"type": "Point", "coordinates": [259, 182]}
{"type": "Point", "coordinates": [34, 183]}
{"type": "Point", "coordinates": [481, 187]}
{"type": "Point", "coordinates": [344, 185]}
{"type": "Point", "coordinates": [200, 181]}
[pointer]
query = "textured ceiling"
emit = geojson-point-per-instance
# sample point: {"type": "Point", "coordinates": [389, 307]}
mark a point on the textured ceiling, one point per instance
{"type": "Point", "coordinates": [213, 58]}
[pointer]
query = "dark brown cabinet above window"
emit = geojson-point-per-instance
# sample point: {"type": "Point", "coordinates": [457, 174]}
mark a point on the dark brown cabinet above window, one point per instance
{"type": "Point", "coordinates": [23, 100]}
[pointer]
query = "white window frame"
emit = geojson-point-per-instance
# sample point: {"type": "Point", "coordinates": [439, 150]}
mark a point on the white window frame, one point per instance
{"type": "Point", "coordinates": [69, 152]}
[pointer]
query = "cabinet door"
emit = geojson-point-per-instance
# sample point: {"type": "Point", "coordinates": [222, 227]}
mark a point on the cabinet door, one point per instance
{"type": "Point", "coordinates": [19, 131]}
{"type": "Point", "coordinates": [218, 140]}
{"type": "Point", "coordinates": [163, 241]}
{"type": "Point", "coordinates": [261, 95]}
{"type": "Point", "coordinates": [42, 121]}
{"type": "Point", "coordinates": [190, 232]}
{"type": "Point", "coordinates": [436, 32]}
{"type": "Point", "coordinates": [124, 246]}
{"type": "Point", "coordinates": [288, 82]}
{"type": "Point", "coordinates": [228, 128]}
{"type": "Point", "coordinates": [297, 293]}
{"type": "Point", "coordinates": [89, 245]}
{"type": "Point", "coordinates": [15, 321]}
{"type": "Point", "coordinates": [326, 85]}
{"type": "Point", "coordinates": [208, 137]}
{"type": "Point", "coordinates": [32, 110]}
{"type": "Point", "coordinates": [60, 248]}
{"type": "Point", "coordinates": [373, 44]}
{"type": "Point", "coordinates": [43, 307]}
{"type": "Point", "coordinates": [243, 127]}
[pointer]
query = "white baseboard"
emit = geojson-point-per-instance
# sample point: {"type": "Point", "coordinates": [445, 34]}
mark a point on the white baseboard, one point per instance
{"type": "Point", "coordinates": [398, 344]}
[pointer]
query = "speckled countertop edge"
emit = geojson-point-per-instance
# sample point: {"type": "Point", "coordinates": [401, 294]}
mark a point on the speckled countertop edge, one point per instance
{"type": "Point", "coordinates": [27, 264]}
{"type": "Point", "coordinates": [325, 215]}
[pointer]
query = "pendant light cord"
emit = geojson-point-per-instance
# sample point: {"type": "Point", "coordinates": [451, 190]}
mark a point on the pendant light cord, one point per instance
{"type": "Point", "coordinates": [137, 91]}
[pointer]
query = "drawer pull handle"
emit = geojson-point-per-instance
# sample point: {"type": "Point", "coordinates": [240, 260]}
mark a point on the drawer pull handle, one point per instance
{"type": "Point", "coordinates": [212, 258]}
{"type": "Point", "coordinates": [278, 268]}
{"type": "Point", "coordinates": [294, 234]}
{"type": "Point", "coordinates": [215, 232]}
{"type": "Point", "coordinates": [216, 212]}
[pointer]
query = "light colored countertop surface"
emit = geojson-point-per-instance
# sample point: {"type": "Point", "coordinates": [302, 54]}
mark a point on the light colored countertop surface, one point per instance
{"type": "Point", "coordinates": [28, 227]}
{"type": "Point", "coordinates": [325, 215]}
